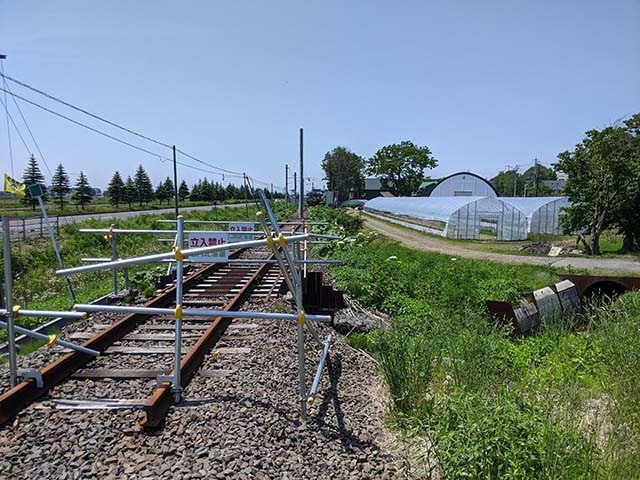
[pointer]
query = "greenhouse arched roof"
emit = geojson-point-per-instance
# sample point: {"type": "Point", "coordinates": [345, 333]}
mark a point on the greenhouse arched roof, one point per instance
{"type": "Point", "coordinates": [529, 205]}
{"type": "Point", "coordinates": [460, 182]}
{"type": "Point", "coordinates": [543, 213]}
{"type": "Point", "coordinates": [453, 217]}
{"type": "Point", "coordinates": [429, 208]}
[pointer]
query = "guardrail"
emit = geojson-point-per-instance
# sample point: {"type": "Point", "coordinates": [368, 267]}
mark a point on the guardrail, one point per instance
{"type": "Point", "coordinates": [31, 227]}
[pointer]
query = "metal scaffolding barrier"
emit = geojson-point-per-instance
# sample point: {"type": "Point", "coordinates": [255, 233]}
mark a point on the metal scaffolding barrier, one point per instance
{"type": "Point", "coordinates": [284, 258]}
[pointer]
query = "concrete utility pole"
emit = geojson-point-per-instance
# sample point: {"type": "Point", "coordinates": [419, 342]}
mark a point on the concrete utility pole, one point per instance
{"type": "Point", "coordinates": [295, 186]}
{"type": "Point", "coordinates": [245, 183]}
{"type": "Point", "coordinates": [286, 185]}
{"type": "Point", "coordinates": [301, 200]}
{"type": "Point", "coordinates": [515, 177]}
{"type": "Point", "coordinates": [175, 180]}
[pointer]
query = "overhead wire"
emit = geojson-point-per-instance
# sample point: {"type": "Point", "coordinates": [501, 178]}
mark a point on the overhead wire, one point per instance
{"type": "Point", "coordinates": [10, 117]}
{"type": "Point", "coordinates": [4, 82]}
{"type": "Point", "coordinates": [26, 124]}
{"type": "Point", "coordinates": [80, 124]}
{"type": "Point", "coordinates": [97, 117]}
{"type": "Point", "coordinates": [207, 164]}
{"type": "Point", "coordinates": [113, 124]}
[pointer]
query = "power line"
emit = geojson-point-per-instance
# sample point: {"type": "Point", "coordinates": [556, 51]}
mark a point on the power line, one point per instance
{"type": "Point", "coordinates": [9, 117]}
{"type": "Point", "coordinates": [102, 119]}
{"type": "Point", "coordinates": [97, 117]}
{"type": "Point", "coordinates": [80, 124]}
{"type": "Point", "coordinates": [26, 124]}
{"type": "Point", "coordinates": [4, 82]}
{"type": "Point", "coordinates": [208, 164]}
{"type": "Point", "coordinates": [113, 124]}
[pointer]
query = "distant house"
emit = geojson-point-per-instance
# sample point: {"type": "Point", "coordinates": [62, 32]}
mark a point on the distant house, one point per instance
{"type": "Point", "coordinates": [373, 188]}
{"type": "Point", "coordinates": [556, 185]}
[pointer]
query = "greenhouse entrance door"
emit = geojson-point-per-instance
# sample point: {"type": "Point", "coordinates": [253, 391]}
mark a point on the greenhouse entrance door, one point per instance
{"type": "Point", "coordinates": [489, 226]}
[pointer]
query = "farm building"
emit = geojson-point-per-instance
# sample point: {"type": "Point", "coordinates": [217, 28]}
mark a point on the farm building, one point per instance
{"type": "Point", "coordinates": [453, 217]}
{"type": "Point", "coordinates": [543, 213]}
{"type": "Point", "coordinates": [461, 184]}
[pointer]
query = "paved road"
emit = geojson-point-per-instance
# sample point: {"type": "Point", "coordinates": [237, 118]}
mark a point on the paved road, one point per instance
{"type": "Point", "coordinates": [125, 215]}
{"type": "Point", "coordinates": [33, 227]}
{"type": "Point", "coordinates": [419, 241]}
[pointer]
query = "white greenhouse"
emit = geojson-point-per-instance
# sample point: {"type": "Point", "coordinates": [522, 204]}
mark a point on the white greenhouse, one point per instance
{"type": "Point", "coordinates": [464, 184]}
{"type": "Point", "coordinates": [453, 217]}
{"type": "Point", "coordinates": [543, 213]}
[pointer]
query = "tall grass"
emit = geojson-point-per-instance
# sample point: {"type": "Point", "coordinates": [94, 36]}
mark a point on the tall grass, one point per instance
{"type": "Point", "coordinates": [36, 286]}
{"type": "Point", "coordinates": [563, 403]}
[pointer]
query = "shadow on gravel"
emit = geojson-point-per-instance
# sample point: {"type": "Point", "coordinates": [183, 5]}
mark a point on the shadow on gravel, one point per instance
{"type": "Point", "coordinates": [337, 430]}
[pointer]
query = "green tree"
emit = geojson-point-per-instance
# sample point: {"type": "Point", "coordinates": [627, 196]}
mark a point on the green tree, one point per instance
{"type": "Point", "coordinates": [161, 193]}
{"type": "Point", "coordinates": [343, 170]}
{"type": "Point", "coordinates": [183, 191]}
{"type": "Point", "coordinates": [504, 183]}
{"type": "Point", "coordinates": [32, 176]}
{"type": "Point", "coordinates": [628, 211]}
{"type": "Point", "coordinates": [196, 192]}
{"type": "Point", "coordinates": [116, 191]}
{"type": "Point", "coordinates": [169, 189]}
{"type": "Point", "coordinates": [533, 178]}
{"type": "Point", "coordinates": [603, 177]}
{"type": "Point", "coordinates": [83, 193]}
{"type": "Point", "coordinates": [60, 186]}
{"type": "Point", "coordinates": [130, 193]}
{"type": "Point", "coordinates": [232, 192]}
{"type": "Point", "coordinates": [144, 188]}
{"type": "Point", "coordinates": [400, 167]}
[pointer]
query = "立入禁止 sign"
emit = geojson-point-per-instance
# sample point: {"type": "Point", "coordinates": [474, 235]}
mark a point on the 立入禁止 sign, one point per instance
{"type": "Point", "coordinates": [209, 239]}
{"type": "Point", "coordinates": [241, 232]}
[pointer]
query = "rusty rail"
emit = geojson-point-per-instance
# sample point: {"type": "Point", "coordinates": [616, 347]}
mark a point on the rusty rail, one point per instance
{"type": "Point", "coordinates": [157, 406]}
{"type": "Point", "coordinates": [22, 395]}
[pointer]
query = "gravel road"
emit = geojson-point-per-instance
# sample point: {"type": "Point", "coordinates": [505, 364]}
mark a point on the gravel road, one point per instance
{"type": "Point", "coordinates": [420, 241]}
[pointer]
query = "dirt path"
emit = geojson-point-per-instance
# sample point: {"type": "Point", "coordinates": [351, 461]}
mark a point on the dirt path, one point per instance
{"type": "Point", "coordinates": [420, 241]}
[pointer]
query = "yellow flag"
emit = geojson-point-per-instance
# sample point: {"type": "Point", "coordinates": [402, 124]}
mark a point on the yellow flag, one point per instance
{"type": "Point", "coordinates": [11, 185]}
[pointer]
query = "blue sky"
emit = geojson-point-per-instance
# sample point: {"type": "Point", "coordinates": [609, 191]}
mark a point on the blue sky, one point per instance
{"type": "Point", "coordinates": [483, 84]}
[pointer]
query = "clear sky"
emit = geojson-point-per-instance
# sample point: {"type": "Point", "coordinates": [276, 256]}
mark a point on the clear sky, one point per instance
{"type": "Point", "coordinates": [483, 84]}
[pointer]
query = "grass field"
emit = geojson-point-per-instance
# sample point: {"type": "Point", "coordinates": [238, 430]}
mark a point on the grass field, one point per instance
{"type": "Point", "coordinates": [610, 242]}
{"type": "Point", "coordinates": [12, 207]}
{"type": "Point", "coordinates": [36, 286]}
{"type": "Point", "coordinates": [563, 403]}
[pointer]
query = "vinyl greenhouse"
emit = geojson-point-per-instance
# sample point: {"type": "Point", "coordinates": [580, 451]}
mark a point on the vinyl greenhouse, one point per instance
{"type": "Point", "coordinates": [453, 217]}
{"type": "Point", "coordinates": [543, 213]}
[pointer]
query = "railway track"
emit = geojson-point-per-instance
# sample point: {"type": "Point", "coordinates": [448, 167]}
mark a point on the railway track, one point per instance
{"type": "Point", "coordinates": [137, 349]}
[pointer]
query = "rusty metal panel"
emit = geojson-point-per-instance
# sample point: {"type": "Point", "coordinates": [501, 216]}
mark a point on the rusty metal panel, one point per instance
{"type": "Point", "coordinates": [547, 301]}
{"type": "Point", "coordinates": [527, 318]}
{"type": "Point", "coordinates": [568, 296]}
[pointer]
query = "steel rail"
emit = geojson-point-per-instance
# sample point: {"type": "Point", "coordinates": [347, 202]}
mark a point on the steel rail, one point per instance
{"type": "Point", "coordinates": [19, 397]}
{"type": "Point", "coordinates": [157, 406]}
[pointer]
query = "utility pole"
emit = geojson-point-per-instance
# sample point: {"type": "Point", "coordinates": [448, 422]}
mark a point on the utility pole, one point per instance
{"type": "Point", "coordinates": [301, 200]}
{"type": "Point", "coordinates": [515, 177]}
{"type": "Point", "coordinates": [246, 200]}
{"type": "Point", "coordinates": [537, 177]}
{"type": "Point", "coordinates": [6, 109]}
{"type": "Point", "coordinates": [175, 180]}
{"type": "Point", "coordinates": [295, 186]}
{"type": "Point", "coordinates": [286, 185]}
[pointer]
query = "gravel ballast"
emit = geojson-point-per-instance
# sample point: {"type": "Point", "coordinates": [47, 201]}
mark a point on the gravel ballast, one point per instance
{"type": "Point", "coordinates": [244, 424]}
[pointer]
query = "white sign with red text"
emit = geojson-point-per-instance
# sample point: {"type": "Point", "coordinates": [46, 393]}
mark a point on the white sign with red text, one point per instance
{"type": "Point", "coordinates": [209, 239]}
{"type": "Point", "coordinates": [241, 232]}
